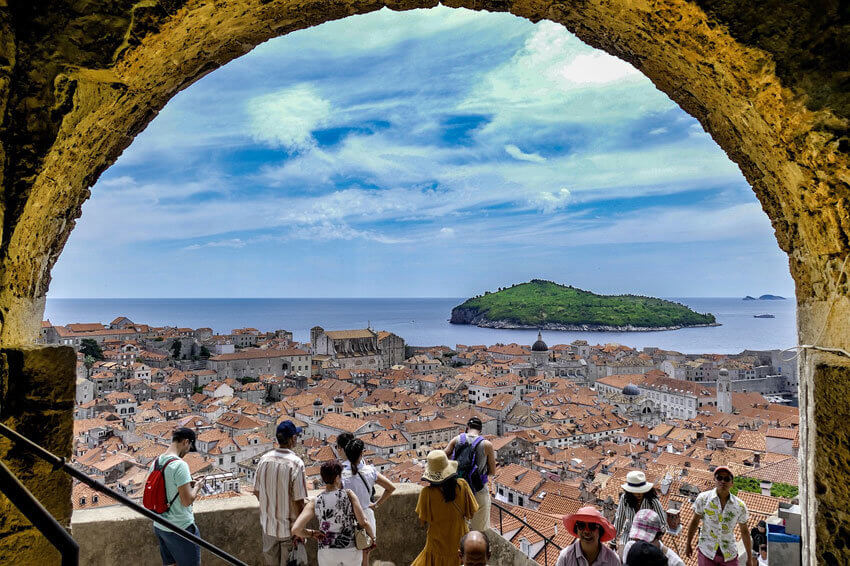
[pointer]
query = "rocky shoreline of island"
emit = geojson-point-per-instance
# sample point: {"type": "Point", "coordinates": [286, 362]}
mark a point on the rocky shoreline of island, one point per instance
{"type": "Point", "coordinates": [475, 318]}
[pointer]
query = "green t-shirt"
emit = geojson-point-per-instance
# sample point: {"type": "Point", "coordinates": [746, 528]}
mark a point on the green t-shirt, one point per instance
{"type": "Point", "coordinates": [176, 474]}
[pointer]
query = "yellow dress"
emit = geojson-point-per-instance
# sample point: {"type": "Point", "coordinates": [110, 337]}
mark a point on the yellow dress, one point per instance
{"type": "Point", "coordinates": [446, 524]}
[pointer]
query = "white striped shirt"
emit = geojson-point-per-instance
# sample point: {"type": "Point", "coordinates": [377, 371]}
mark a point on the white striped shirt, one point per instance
{"type": "Point", "coordinates": [279, 481]}
{"type": "Point", "coordinates": [625, 515]}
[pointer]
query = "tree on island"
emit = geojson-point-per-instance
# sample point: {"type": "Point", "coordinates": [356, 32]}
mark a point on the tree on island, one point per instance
{"type": "Point", "coordinates": [176, 346]}
{"type": "Point", "coordinates": [89, 347]}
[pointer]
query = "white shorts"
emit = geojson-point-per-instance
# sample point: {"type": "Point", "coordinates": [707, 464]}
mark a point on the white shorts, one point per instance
{"type": "Point", "coordinates": [340, 557]}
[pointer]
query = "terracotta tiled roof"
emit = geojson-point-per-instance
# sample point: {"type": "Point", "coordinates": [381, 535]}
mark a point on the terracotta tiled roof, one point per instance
{"type": "Point", "coordinates": [342, 422]}
{"type": "Point", "coordinates": [428, 426]}
{"type": "Point", "coordinates": [786, 433]}
{"type": "Point", "coordinates": [786, 471]}
{"type": "Point", "coordinates": [558, 504]}
{"type": "Point", "coordinates": [757, 502]}
{"type": "Point", "coordinates": [519, 478]}
{"type": "Point", "coordinates": [348, 334]}
{"type": "Point", "coordinates": [254, 353]}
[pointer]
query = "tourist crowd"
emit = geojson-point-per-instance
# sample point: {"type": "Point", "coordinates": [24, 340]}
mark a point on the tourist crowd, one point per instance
{"type": "Point", "coordinates": [449, 505]}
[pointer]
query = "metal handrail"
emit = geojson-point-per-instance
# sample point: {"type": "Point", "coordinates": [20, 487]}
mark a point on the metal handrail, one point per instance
{"type": "Point", "coordinates": [546, 540]}
{"type": "Point", "coordinates": [60, 463]}
{"type": "Point", "coordinates": [40, 517]}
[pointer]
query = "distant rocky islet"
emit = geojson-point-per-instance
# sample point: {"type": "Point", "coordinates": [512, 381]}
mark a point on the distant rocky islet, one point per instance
{"type": "Point", "coordinates": [546, 305]}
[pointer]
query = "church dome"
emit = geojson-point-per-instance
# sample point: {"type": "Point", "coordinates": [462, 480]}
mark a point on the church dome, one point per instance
{"type": "Point", "coordinates": [540, 345]}
{"type": "Point", "coordinates": [631, 389]}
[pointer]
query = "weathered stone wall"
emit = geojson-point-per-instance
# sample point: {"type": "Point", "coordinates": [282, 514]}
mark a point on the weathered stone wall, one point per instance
{"type": "Point", "coordinates": [831, 456]}
{"type": "Point", "coordinates": [768, 80]}
{"type": "Point", "coordinates": [37, 400]}
{"type": "Point", "coordinates": [116, 535]}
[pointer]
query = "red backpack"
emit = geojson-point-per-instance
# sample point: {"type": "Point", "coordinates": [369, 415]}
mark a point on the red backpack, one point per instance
{"type": "Point", "coordinates": [154, 497]}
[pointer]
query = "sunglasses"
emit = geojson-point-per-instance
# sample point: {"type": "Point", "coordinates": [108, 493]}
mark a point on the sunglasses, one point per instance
{"type": "Point", "coordinates": [581, 525]}
{"type": "Point", "coordinates": [723, 478]}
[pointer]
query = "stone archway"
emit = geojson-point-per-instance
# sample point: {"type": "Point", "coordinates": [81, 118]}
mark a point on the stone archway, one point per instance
{"type": "Point", "coordinates": [77, 83]}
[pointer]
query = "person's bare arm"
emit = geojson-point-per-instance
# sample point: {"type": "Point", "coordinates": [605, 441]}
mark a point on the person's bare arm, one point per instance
{"type": "Point", "coordinates": [748, 542]}
{"type": "Point", "coordinates": [188, 492]}
{"type": "Point", "coordinates": [299, 528]}
{"type": "Point", "coordinates": [451, 447]}
{"type": "Point", "coordinates": [491, 458]}
{"type": "Point", "coordinates": [389, 488]}
{"type": "Point", "coordinates": [298, 506]}
{"type": "Point", "coordinates": [358, 513]}
{"type": "Point", "coordinates": [692, 529]}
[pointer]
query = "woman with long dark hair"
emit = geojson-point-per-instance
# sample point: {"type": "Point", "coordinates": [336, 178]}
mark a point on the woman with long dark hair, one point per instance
{"type": "Point", "coordinates": [338, 512]}
{"type": "Point", "coordinates": [637, 494]}
{"type": "Point", "coordinates": [361, 478]}
{"type": "Point", "coordinates": [445, 505]}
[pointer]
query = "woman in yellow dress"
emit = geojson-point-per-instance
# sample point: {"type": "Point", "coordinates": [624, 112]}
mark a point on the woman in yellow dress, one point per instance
{"type": "Point", "coordinates": [446, 505]}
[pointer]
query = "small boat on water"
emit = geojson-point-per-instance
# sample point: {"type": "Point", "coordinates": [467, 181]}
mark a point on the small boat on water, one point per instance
{"type": "Point", "coordinates": [763, 316]}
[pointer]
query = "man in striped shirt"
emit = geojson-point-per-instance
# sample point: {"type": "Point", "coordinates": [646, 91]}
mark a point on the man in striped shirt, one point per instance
{"type": "Point", "coordinates": [281, 487]}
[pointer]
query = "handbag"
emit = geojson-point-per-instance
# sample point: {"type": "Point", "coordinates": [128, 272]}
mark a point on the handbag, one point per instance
{"type": "Point", "coordinates": [362, 540]}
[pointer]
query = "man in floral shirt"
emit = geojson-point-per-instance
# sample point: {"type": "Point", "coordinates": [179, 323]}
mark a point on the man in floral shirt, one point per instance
{"type": "Point", "coordinates": [720, 512]}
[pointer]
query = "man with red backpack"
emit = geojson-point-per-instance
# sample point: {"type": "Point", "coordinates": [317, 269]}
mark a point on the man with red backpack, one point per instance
{"type": "Point", "coordinates": [476, 462]}
{"type": "Point", "coordinates": [170, 491]}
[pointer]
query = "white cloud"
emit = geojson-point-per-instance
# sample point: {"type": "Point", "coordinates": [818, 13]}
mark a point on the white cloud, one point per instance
{"type": "Point", "coordinates": [557, 79]}
{"type": "Point", "coordinates": [596, 68]}
{"type": "Point", "coordinates": [517, 153]}
{"type": "Point", "coordinates": [446, 233]}
{"type": "Point", "coordinates": [677, 225]}
{"type": "Point", "coordinates": [549, 202]}
{"type": "Point", "coordinates": [328, 231]}
{"type": "Point", "coordinates": [657, 131]}
{"type": "Point", "coordinates": [288, 117]}
{"type": "Point", "coordinates": [231, 243]}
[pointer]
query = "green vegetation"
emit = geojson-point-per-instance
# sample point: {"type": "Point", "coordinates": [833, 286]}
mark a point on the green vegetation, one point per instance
{"type": "Point", "coordinates": [752, 485]}
{"type": "Point", "coordinates": [176, 346]}
{"type": "Point", "coordinates": [90, 347]}
{"type": "Point", "coordinates": [784, 490]}
{"type": "Point", "coordinates": [540, 303]}
{"type": "Point", "coordinates": [205, 353]}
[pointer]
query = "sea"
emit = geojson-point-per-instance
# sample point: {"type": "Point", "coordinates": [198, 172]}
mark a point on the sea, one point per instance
{"type": "Point", "coordinates": [425, 321]}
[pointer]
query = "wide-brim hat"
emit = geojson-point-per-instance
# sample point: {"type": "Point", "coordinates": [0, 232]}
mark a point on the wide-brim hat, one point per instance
{"type": "Point", "coordinates": [439, 468]}
{"type": "Point", "coordinates": [636, 482]}
{"type": "Point", "coordinates": [591, 514]}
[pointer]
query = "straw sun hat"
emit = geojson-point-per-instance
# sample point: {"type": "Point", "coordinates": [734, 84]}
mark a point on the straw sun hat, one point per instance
{"type": "Point", "coordinates": [439, 467]}
{"type": "Point", "coordinates": [636, 482]}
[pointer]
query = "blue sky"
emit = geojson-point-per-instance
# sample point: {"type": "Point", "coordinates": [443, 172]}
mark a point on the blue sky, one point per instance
{"type": "Point", "coordinates": [428, 153]}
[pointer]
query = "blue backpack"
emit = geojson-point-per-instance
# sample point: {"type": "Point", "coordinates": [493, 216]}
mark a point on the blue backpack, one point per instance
{"type": "Point", "coordinates": [466, 455]}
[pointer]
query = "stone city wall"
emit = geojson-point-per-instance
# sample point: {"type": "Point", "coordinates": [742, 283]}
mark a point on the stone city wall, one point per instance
{"type": "Point", "coordinates": [117, 535]}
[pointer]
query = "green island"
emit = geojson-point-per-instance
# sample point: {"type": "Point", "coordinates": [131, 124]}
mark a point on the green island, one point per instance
{"type": "Point", "coordinates": [550, 306]}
